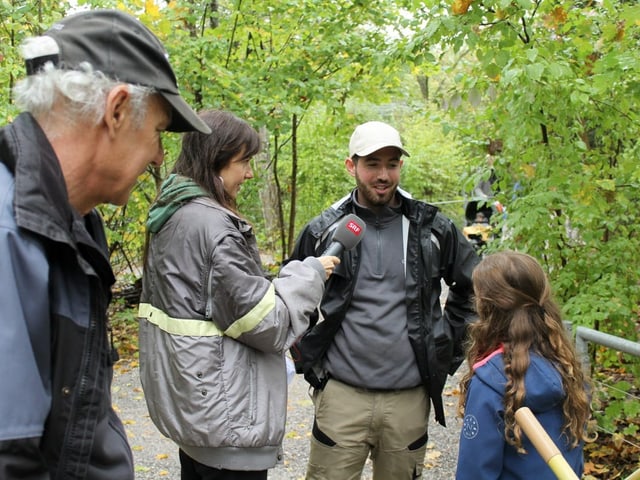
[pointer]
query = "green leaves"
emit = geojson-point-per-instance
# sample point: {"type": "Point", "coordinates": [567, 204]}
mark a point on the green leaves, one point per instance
{"type": "Point", "coordinates": [558, 86]}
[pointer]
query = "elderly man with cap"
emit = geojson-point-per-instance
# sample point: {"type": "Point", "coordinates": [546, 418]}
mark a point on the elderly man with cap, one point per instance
{"type": "Point", "coordinates": [381, 346]}
{"type": "Point", "coordinates": [98, 94]}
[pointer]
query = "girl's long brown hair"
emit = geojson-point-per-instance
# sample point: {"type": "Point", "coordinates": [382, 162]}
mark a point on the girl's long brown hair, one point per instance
{"type": "Point", "coordinates": [515, 308]}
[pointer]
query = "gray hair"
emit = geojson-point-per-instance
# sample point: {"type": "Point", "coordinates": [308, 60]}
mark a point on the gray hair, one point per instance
{"type": "Point", "coordinates": [81, 91]}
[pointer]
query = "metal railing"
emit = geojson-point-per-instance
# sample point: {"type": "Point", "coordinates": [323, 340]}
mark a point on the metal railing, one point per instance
{"type": "Point", "coordinates": [583, 335]}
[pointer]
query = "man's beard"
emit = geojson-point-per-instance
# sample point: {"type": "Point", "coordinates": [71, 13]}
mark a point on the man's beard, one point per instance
{"type": "Point", "coordinates": [373, 198]}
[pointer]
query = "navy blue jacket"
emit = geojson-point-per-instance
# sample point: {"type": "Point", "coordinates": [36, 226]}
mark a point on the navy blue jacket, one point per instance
{"type": "Point", "coordinates": [484, 453]}
{"type": "Point", "coordinates": [55, 355]}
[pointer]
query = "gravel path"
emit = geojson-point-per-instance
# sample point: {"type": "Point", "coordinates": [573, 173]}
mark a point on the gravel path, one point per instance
{"type": "Point", "coordinates": [156, 457]}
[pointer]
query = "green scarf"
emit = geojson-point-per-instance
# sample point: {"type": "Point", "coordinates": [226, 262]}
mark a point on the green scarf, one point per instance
{"type": "Point", "coordinates": [175, 191]}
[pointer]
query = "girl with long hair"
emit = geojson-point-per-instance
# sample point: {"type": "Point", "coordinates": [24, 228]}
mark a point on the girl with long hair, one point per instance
{"type": "Point", "coordinates": [519, 355]}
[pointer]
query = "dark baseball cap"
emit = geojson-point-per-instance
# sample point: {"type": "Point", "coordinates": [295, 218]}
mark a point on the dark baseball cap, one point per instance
{"type": "Point", "coordinates": [123, 48]}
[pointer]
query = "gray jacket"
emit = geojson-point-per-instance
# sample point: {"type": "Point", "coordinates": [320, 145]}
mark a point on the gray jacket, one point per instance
{"type": "Point", "coordinates": [213, 332]}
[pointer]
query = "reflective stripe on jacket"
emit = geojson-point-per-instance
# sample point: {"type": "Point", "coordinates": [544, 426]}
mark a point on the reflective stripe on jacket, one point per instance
{"type": "Point", "coordinates": [213, 332]}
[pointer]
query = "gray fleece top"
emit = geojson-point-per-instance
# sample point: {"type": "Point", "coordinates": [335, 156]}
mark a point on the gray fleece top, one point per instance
{"type": "Point", "coordinates": [372, 349]}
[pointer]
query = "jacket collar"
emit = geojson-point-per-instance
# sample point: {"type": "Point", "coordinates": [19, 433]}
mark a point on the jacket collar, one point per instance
{"type": "Point", "coordinates": [175, 191]}
{"type": "Point", "coordinates": [415, 211]}
{"type": "Point", "coordinates": [41, 201]}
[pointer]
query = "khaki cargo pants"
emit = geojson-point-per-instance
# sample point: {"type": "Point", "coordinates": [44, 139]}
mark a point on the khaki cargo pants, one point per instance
{"type": "Point", "coordinates": [351, 423]}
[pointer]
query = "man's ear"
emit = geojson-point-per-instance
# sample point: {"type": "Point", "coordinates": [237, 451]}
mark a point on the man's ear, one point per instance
{"type": "Point", "coordinates": [350, 165]}
{"type": "Point", "coordinates": [117, 108]}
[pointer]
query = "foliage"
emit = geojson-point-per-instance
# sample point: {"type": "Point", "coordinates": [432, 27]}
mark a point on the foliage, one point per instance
{"type": "Point", "coordinates": [124, 329]}
{"type": "Point", "coordinates": [547, 90]}
{"type": "Point", "coordinates": [267, 61]}
{"type": "Point", "coordinates": [433, 171]}
{"type": "Point", "coordinates": [20, 19]}
{"type": "Point", "coordinates": [617, 410]}
{"type": "Point", "coordinates": [126, 229]}
{"type": "Point", "coordinates": [557, 84]}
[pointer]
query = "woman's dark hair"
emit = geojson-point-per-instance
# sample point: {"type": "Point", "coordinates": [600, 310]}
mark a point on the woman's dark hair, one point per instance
{"type": "Point", "coordinates": [204, 155]}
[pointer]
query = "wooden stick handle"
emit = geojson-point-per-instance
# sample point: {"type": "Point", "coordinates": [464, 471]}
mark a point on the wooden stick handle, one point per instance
{"type": "Point", "coordinates": [634, 476]}
{"type": "Point", "coordinates": [544, 445]}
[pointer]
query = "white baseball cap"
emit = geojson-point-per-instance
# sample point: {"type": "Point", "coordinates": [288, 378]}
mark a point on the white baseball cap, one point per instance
{"type": "Point", "coordinates": [372, 136]}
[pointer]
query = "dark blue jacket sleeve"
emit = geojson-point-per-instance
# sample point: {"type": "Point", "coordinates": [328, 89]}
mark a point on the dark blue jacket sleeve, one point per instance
{"type": "Point", "coordinates": [480, 455]}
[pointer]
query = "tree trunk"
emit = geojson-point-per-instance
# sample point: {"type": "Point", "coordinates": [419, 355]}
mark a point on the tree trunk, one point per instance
{"type": "Point", "coordinates": [294, 183]}
{"type": "Point", "coordinates": [269, 197]}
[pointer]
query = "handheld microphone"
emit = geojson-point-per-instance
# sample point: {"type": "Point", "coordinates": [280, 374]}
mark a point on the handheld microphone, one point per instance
{"type": "Point", "coordinates": [348, 234]}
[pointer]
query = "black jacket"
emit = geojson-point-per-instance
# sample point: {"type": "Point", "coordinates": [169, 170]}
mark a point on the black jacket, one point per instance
{"type": "Point", "coordinates": [436, 250]}
{"type": "Point", "coordinates": [57, 418]}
